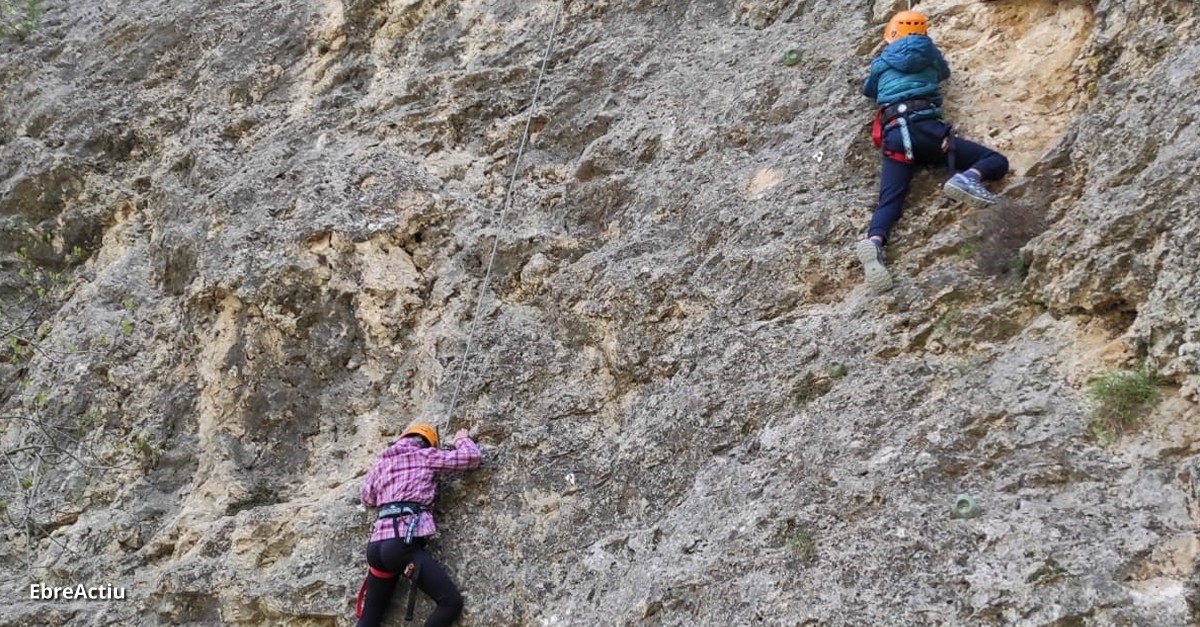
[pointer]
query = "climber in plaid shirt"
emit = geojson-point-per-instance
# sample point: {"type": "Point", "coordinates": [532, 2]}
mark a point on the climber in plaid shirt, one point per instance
{"type": "Point", "coordinates": [401, 483]}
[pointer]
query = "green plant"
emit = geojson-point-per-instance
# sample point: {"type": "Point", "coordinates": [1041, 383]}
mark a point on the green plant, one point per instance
{"type": "Point", "coordinates": [126, 326]}
{"type": "Point", "coordinates": [1017, 269]}
{"type": "Point", "coordinates": [1119, 398]}
{"type": "Point", "coordinates": [92, 419]}
{"type": "Point", "coordinates": [967, 250]}
{"type": "Point", "coordinates": [809, 388]}
{"type": "Point", "coordinates": [144, 450]}
{"type": "Point", "coordinates": [945, 321]}
{"type": "Point", "coordinates": [15, 347]}
{"type": "Point", "coordinates": [1049, 570]}
{"type": "Point", "coordinates": [802, 544]}
{"type": "Point", "coordinates": [19, 18]}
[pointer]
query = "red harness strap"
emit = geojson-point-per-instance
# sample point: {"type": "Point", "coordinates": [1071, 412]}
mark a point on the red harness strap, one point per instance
{"type": "Point", "coordinates": [362, 590]}
{"type": "Point", "coordinates": [381, 574]}
{"type": "Point", "coordinates": [358, 602]}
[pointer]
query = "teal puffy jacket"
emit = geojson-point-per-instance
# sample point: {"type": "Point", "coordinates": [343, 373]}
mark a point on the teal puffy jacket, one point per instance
{"type": "Point", "coordinates": [907, 68]}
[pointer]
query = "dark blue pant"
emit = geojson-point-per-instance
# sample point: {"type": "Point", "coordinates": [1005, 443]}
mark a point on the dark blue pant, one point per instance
{"type": "Point", "coordinates": [394, 556]}
{"type": "Point", "coordinates": [896, 177]}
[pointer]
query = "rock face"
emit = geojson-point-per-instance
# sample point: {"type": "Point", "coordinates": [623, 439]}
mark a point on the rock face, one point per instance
{"type": "Point", "coordinates": [245, 243]}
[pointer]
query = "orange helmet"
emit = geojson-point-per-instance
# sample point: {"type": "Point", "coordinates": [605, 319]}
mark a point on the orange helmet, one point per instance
{"type": "Point", "coordinates": [423, 430]}
{"type": "Point", "coordinates": [905, 23]}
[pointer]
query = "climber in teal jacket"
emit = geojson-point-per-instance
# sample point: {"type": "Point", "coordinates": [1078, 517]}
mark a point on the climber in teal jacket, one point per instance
{"type": "Point", "coordinates": [907, 69]}
{"type": "Point", "coordinates": [909, 129]}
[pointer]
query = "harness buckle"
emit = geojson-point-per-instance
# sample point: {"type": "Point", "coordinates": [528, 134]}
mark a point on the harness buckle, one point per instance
{"type": "Point", "coordinates": [393, 510]}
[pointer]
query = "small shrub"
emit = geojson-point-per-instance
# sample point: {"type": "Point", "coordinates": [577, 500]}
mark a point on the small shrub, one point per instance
{"type": "Point", "coordinates": [16, 348]}
{"type": "Point", "coordinates": [946, 322]}
{"type": "Point", "coordinates": [1121, 397]}
{"type": "Point", "coordinates": [1017, 269]}
{"type": "Point", "coordinates": [19, 18]}
{"type": "Point", "coordinates": [1050, 570]}
{"type": "Point", "coordinates": [835, 370]}
{"type": "Point", "coordinates": [802, 545]}
{"type": "Point", "coordinates": [144, 451]}
{"type": "Point", "coordinates": [809, 388]}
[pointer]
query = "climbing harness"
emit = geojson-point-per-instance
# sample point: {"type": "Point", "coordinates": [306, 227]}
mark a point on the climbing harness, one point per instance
{"type": "Point", "coordinates": [899, 115]}
{"type": "Point", "coordinates": [402, 509]}
{"type": "Point", "coordinates": [487, 276]}
{"type": "Point", "coordinates": [909, 107]}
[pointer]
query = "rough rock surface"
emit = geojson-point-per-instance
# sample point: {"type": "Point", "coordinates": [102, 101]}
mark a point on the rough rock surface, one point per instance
{"type": "Point", "coordinates": [245, 242]}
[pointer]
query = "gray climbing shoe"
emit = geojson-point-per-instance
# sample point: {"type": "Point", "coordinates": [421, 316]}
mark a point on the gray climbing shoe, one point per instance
{"type": "Point", "coordinates": [966, 189]}
{"type": "Point", "coordinates": [871, 257]}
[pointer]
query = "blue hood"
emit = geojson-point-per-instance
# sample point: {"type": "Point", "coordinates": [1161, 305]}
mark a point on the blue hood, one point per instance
{"type": "Point", "coordinates": [911, 54]}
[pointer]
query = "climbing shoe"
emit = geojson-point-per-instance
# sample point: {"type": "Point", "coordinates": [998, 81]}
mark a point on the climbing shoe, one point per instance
{"type": "Point", "coordinates": [871, 256]}
{"type": "Point", "coordinates": [968, 189]}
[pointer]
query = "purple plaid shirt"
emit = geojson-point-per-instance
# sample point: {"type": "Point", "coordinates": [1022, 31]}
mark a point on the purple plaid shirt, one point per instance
{"type": "Point", "coordinates": [405, 472]}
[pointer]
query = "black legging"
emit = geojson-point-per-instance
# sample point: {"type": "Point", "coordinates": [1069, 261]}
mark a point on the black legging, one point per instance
{"type": "Point", "coordinates": [394, 556]}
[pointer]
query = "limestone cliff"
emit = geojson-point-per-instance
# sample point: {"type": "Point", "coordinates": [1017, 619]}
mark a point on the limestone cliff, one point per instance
{"type": "Point", "coordinates": [245, 242]}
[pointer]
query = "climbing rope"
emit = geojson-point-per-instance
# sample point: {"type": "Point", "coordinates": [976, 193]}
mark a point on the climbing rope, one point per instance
{"type": "Point", "coordinates": [504, 208]}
